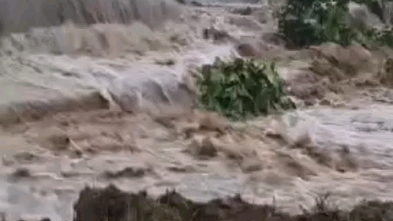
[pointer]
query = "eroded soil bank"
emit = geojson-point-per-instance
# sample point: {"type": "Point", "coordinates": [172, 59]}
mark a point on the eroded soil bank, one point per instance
{"type": "Point", "coordinates": [113, 204]}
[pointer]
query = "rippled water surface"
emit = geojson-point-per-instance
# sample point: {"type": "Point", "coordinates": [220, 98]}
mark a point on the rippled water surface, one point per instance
{"type": "Point", "coordinates": [366, 132]}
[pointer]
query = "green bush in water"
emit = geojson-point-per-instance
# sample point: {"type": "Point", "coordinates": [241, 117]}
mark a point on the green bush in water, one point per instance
{"type": "Point", "coordinates": [379, 37]}
{"type": "Point", "coordinates": [242, 88]}
{"type": "Point", "coordinates": [312, 22]}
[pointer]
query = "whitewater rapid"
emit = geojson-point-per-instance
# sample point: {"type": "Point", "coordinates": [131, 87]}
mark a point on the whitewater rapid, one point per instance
{"type": "Point", "coordinates": [71, 67]}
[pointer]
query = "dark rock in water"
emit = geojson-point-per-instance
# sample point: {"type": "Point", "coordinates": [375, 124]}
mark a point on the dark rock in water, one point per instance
{"type": "Point", "coordinates": [216, 35]}
{"type": "Point", "coordinates": [19, 174]}
{"type": "Point", "coordinates": [252, 48]}
{"type": "Point", "coordinates": [247, 50]}
{"type": "Point", "coordinates": [128, 172]}
{"type": "Point", "coordinates": [181, 1]}
{"type": "Point", "coordinates": [43, 219]}
{"type": "Point", "coordinates": [114, 205]}
{"type": "Point", "coordinates": [196, 4]}
{"type": "Point", "coordinates": [242, 11]}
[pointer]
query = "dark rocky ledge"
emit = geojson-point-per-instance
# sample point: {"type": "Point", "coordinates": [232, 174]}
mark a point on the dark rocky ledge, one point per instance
{"type": "Point", "coordinates": [112, 204]}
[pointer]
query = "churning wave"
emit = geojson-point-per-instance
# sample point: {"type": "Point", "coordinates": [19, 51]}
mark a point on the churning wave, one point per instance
{"type": "Point", "coordinates": [20, 15]}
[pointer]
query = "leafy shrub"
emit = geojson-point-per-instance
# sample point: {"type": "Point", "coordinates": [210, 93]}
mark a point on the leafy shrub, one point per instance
{"type": "Point", "coordinates": [241, 89]}
{"type": "Point", "coordinates": [379, 37]}
{"type": "Point", "coordinates": [313, 22]}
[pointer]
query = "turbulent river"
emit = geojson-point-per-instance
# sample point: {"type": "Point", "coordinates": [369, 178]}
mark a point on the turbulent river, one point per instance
{"type": "Point", "coordinates": [69, 67]}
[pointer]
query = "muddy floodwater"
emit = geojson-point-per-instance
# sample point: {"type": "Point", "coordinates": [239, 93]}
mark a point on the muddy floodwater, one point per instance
{"type": "Point", "coordinates": [52, 183]}
{"type": "Point", "coordinates": [63, 95]}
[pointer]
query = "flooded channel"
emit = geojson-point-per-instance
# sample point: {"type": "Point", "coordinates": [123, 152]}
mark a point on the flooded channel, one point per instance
{"type": "Point", "coordinates": [49, 158]}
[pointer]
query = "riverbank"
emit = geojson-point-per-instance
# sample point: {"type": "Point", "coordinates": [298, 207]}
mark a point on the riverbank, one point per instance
{"type": "Point", "coordinates": [113, 204]}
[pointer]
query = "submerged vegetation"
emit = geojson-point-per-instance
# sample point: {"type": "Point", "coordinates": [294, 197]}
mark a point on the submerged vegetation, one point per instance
{"type": "Point", "coordinates": [313, 22]}
{"type": "Point", "coordinates": [242, 88]}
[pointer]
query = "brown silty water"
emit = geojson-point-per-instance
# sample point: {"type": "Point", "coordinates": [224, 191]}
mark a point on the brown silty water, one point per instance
{"type": "Point", "coordinates": [68, 63]}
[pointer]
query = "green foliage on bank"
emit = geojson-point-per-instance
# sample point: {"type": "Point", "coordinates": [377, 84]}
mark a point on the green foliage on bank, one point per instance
{"type": "Point", "coordinates": [312, 22]}
{"type": "Point", "coordinates": [242, 89]}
